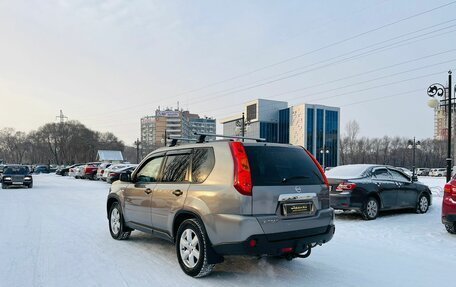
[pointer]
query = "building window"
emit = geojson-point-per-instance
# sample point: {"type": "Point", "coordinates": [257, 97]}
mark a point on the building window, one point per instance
{"type": "Point", "coordinates": [251, 112]}
{"type": "Point", "coordinates": [284, 126]}
{"type": "Point", "coordinates": [310, 129]}
{"type": "Point", "coordinates": [331, 133]}
{"type": "Point", "coordinates": [268, 131]}
{"type": "Point", "coordinates": [320, 131]}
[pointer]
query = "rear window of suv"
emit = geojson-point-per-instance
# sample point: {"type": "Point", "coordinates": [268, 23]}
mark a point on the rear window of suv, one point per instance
{"type": "Point", "coordinates": [272, 165]}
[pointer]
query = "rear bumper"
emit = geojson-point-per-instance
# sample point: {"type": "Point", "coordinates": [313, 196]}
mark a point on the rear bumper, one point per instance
{"type": "Point", "coordinates": [449, 218]}
{"type": "Point", "coordinates": [272, 244]}
{"type": "Point", "coordinates": [344, 202]}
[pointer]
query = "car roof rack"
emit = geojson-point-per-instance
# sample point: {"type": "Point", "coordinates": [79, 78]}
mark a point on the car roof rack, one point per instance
{"type": "Point", "coordinates": [175, 140]}
{"type": "Point", "coordinates": [202, 137]}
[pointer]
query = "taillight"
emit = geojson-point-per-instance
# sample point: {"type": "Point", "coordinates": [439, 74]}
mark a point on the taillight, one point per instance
{"type": "Point", "coordinates": [450, 190]}
{"type": "Point", "coordinates": [325, 179]}
{"type": "Point", "coordinates": [242, 174]}
{"type": "Point", "coordinates": [112, 174]}
{"type": "Point", "coordinates": [344, 186]}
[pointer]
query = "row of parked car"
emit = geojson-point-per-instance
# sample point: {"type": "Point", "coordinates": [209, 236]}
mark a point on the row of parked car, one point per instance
{"type": "Point", "coordinates": [104, 171]}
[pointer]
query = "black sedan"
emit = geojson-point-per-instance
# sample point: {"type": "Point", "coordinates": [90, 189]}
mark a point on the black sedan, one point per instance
{"type": "Point", "coordinates": [16, 175]}
{"type": "Point", "coordinates": [370, 189]}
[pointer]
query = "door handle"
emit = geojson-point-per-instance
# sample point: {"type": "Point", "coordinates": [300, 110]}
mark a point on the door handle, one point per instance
{"type": "Point", "coordinates": [177, 192]}
{"type": "Point", "coordinates": [148, 190]}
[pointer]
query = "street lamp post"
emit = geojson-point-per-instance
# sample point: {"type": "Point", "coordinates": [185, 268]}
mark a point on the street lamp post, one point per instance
{"type": "Point", "coordinates": [324, 151]}
{"type": "Point", "coordinates": [242, 124]}
{"type": "Point", "coordinates": [440, 91]}
{"type": "Point", "coordinates": [413, 145]}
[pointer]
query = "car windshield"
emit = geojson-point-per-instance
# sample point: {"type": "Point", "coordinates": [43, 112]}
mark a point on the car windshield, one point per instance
{"type": "Point", "coordinates": [20, 170]}
{"type": "Point", "coordinates": [346, 171]}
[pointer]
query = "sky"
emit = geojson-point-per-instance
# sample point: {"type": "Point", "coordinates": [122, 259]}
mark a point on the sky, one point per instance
{"type": "Point", "coordinates": [108, 63]}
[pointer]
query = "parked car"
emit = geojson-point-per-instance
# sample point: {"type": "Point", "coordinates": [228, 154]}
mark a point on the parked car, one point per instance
{"type": "Point", "coordinates": [53, 168]}
{"type": "Point", "coordinates": [407, 171]}
{"type": "Point", "coordinates": [73, 170]}
{"type": "Point", "coordinates": [225, 198]}
{"type": "Point", "coordinates": [439, 172]}
{"type": "Point", "coordinates": [114, 175]}
{"type": "Point", "coordinates": [449, 206]}
{"type": "Point", "coordinates": [89, 170]}
{"type": "Point", "coordinates": [79, 171]}
{"type": "Point", "coordinates": [41, 169]}
{"type": "Point", "coordinates": [113, 168]}
{"type": "Point", "coordinates": [16, 175]}
{"type": "Point", "coordinates": [370, 189]}
{"type": "Point", "coordinates": [101, 169]}
{"type": "Point", "coordinates": [422, 171]}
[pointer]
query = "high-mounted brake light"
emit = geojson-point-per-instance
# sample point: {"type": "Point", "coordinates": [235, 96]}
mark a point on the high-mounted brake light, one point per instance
{"type": "Point", "coordinates": [344, 186]}
{"type": "Point", "coordinates": [325, 179]}
{"type": "Point", "coordinates": [242, 174]}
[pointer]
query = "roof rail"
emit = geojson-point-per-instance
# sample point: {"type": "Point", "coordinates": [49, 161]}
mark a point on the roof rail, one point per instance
{"type": "Point", "coordinates": [175, 140]}
{"type": "Point", "coordinates": [202, 137]}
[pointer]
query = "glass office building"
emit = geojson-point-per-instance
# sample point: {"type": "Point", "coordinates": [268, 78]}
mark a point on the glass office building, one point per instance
{"type": "Point", "coordinates": [315, 127]}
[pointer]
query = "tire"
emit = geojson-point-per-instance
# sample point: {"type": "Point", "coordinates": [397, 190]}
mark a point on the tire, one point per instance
{"type": "Point", "coordinates": [117, 226]}
{"type": "Point", "coordinates": [191, 235]}
{"type": "Point", "coordinates": [4, 186]}
{"type": "Point", "coordinates": [371, 209]}
{"type": "Point", "coordinates": [422, 205]}
{"type": "Point", "coordinates": [30, 185]}
{"type": "Point", "coordinates": [451, 227]}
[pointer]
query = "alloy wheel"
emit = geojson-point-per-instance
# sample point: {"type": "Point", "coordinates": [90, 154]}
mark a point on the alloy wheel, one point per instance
{"type": "Point", "coordinates": [372, 208]}
{"type": "Point", "coordinates": [424, 204]}
{"type": "Point", "coordinates": [189, 248]}
{"type": "Point", "coordinates": [115, 221]}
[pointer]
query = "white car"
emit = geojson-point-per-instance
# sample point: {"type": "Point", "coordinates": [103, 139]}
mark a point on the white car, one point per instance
{"type": "Point", "coordinates": [438, 172]}
{"type": "Point", "coordinates": [112, 168]}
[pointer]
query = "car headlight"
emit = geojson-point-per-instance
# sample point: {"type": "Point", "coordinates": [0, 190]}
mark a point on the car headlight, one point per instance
{"type": "Point", "coordinates": [27, 178]}
{"type": "Point", "coordinates": [7, 178]}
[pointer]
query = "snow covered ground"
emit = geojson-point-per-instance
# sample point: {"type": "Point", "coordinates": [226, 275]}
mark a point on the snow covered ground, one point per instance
{"type": "Point", "coordinates": [56, 234]}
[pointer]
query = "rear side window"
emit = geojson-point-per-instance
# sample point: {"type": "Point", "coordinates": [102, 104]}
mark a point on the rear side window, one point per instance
{"type": "Point", "coordinates": [282, 166]}
{"type": "Point", "coordinates": [382, 173]}
{"type": "Point", "coordinates": [202, 164]}
{"type": "Point", "coordinates": [175, 169]}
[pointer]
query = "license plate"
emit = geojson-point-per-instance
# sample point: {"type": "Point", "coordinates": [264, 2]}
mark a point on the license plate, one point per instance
{"type": "Point", "coordinates": [17, 183]}
{"type": "Point", "coordinates": [297, 208]}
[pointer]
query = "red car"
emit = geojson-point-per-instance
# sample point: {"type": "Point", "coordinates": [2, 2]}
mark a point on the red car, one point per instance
{"type": "Point", "coordinates": [90, 170]}
{"type": "Point", "coordinates": [449, 206]}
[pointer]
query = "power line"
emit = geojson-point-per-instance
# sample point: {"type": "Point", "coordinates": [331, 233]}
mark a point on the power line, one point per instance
{"type": "Point", "coordinates": [273, 79]}
{"type": "Point", "coordinates": [340, 94]}
{"type": "Point", "coordinates": [383, 97]}
{"type": "Point", "coordinates": [335, 43]}
{"type": "Point", "coordinates": [351, 92]}
{"type": "Point", "coordinates": [367, 53]}
{"type": "Point", "coordinates": [326, 46]}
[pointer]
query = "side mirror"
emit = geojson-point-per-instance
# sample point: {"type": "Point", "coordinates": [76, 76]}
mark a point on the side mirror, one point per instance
{"type": "Point", "coordinates": [125, 177]}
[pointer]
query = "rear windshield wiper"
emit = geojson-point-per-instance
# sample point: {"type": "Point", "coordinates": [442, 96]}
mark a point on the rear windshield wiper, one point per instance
{"type": "Point", "coordinates": [285, 179]}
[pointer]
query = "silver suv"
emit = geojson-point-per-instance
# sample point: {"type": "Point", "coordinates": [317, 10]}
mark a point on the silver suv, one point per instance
{"type": "Point", "coordinates": [225, 198]}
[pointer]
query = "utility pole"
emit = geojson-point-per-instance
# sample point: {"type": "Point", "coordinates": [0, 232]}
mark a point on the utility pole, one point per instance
{"type": "Point", "coordinates": [243, 127]}
{"type": "Point", "coordinates": [62, 118]}
{"type": "Point", "coordinates": [137, 143]}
